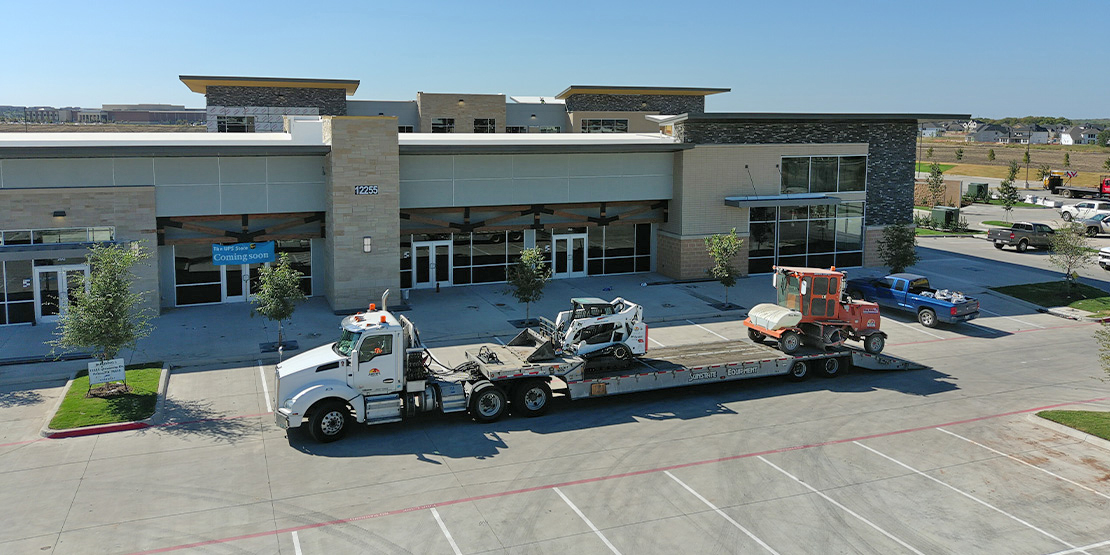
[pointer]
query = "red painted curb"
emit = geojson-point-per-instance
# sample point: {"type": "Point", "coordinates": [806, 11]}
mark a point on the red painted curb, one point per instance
{"type": "Point", "coordinates": [94, 430]}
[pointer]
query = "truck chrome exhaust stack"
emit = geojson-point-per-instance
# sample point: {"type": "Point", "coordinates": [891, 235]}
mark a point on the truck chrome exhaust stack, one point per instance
{"type": "Point", "coordinates": [384, 297]}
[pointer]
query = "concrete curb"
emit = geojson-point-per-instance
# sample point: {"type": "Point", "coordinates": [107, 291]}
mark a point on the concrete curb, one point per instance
{"type": "Point", "coordinates": [1029, 305]}
{"type": "Point", "coordinates": [154, 419]}
{"type": "Point", "coordinates": [1069, 431]}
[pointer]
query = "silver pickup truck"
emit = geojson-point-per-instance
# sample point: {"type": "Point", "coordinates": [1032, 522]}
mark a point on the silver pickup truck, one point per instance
{"type": "Point", "coordinates": [1022, 235]}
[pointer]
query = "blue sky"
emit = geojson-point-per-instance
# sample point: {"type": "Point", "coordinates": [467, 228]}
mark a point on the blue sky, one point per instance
{"type": "Point", "coordinates": [991, 59]}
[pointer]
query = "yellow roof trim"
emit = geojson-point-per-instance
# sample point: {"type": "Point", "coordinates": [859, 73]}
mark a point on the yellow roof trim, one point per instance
{"type": "Point", "coordinates": [201, 84]}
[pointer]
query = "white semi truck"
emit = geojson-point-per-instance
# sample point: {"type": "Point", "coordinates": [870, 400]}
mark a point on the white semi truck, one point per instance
{"type": "Point", "coordinates": [379, 371]}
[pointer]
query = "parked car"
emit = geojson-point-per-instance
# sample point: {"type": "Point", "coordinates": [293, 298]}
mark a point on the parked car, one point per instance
{"type": "Point", "coordinates": [1084, 210]}
{"type": "Point", "coordinates": [1022, 235]}
{"type": "Point", "coordinates": [1104, 258]}
{"type": "Point", "coordinates": [912, 292]}
{"type": "Point", "coordinates": [1096, 225]}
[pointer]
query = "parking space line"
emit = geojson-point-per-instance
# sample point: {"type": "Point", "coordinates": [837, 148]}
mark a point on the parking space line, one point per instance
{"type": "Point", "coordinates": [499, 340]}
{"type": "Point", "coordinates": [710, 331]}
{"type": "Point", "coordinates": [265, 388]}
{"type": "Point", "coordinates": [296, 543]}
{"type": "Point", "coordinates": [967, 495]}
{"type": "Point", "coordinates": [720, 512]}
{"type": "Point", "coordinates": [656, 342]}
{"type": "Point", "coordinates": [981, 309]}
{"type": "Point", "coordinates": [587, 521]}
{"type": "Point", "coordinates": [914, 328]}
{"type": "Point", "coordinates": [842, 507]}
{"type": "Point", "coordinates": [1082, 549]}
{"type": "Point", "coordinates": [446, 532]}
{"type": "Point", "coordinates": [1011, 457]}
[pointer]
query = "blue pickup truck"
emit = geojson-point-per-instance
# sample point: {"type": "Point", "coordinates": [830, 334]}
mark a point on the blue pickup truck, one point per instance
{"type": "Point", "coordinates": [912, 292]}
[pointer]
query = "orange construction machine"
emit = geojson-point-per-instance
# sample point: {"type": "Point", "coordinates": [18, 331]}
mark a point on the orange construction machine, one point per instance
{"type": "Point", "coordinates": [812, 311]}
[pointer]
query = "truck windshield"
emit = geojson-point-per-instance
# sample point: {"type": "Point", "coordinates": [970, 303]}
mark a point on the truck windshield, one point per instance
{"type": "Point", "coordinates": [788, 290]}
{"type": "Point", "coordinates": [347, 340]}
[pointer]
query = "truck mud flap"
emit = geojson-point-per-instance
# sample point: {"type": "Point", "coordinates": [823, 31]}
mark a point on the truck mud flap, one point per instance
{"type": "Point", "coordinates": [869, 361]}
{"type": "Point", "coordinates": [542, 348]}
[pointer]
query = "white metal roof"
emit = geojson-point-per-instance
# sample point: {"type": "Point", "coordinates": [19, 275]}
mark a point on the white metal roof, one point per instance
{"type": "Point", "coordinates": [465, 139]}
{"type": "Point", "coordinates": [537, 100]}
{"type": "Point", "coordinates": [305, 132]}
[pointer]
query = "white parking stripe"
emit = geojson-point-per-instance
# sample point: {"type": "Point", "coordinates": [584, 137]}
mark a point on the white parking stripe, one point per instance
{"type": "Point", "coordinates": [296, 543]}
{"type": "Point", "coordinates": [981, 309]}
{"type": "Point", "coordinates": [710, 331]}
{"type": "Point", "coordinates": [842, 507]}
{"type": "Point", "coordinates": [587, 521]}
{"type": "Point", "coordinates": [265, 388]}
{"type": "Point", "coordinates": [656, 342]}
{"type": "Point", "coordinates": [965, 494]}
{"type": "Point", "coordinates": [447, 533]}
{"type": "Point", "coordinates": [1011, 457]}
{"type": "Point", "coordinates": [1082, 549]}
{"type": "Point", "coordinates": [914, 328]}
{"type": "Point", "coordinates": [499, 340]}
{"type": "Point", "coordinates": [720, 512]}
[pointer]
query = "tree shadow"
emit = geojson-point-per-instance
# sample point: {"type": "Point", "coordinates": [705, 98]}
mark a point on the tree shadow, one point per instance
{"type": "Point", "coordinates": [19, 398]}
{"type": "Point", "coordinates": [196, 418]}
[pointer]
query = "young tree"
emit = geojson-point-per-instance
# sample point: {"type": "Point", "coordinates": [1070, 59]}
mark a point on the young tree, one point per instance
{"type": "Point", "coordinates": [1103, 138]}
{"type": "Point", "coordinates": [898, 248]}
{"type": "Point", "coordinates": [1106, 165]}
{"type": "Point", "coordinates": [929, 153]}
{"type": "Point", "coordinates": [936, 184]}
{"type": "Point", "coordinates": [1071, 251]}
{"type": "Point", "coordinates": [722, 249]}
{"type": "Point", "coordinates": [528, 277]}
{"type": "Point", "coordinates": [1043, 171]}
{"type": "Point", "coordinates": [990, 155]}
{"type": "Point", "coordinates": [1102, 337]}
{"type": "Point", "coordinates": [959, 154]}
{"type": "Point", "coordinates": [1007, 191]}
{"type": "Point", "coordinates": [1025, 160]}
{"type": "Point", "coordinates": [1067, 159]}
{"type": "Point", "coordinates": [105, 315]}
{"type": "Point", "coordinates": [279, 291]}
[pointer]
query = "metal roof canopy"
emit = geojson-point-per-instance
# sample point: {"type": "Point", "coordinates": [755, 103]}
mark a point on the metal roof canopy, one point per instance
{"type": "Point", "coordinates": [788, 116]}
{"type": "Point", "coordinates": [200, 83]}
{"type": "Point", "coordinates": [671, 91]}
{"type": "Point", "coordinates": [767, 201]}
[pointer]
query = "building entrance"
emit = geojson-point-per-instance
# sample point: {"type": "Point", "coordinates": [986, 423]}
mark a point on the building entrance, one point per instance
{"type": "Point", "coordinates": [239, 282]}
{"type": "Point", "coordinates": [431, 263]}
{"type": "Point", "coordinates": [54, 287]}
{"type": "Point", "coordinates": [569, 255]}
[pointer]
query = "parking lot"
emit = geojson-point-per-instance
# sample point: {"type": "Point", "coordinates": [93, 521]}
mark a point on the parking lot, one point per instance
{"type": "Point", "coordinates": [940, 460]}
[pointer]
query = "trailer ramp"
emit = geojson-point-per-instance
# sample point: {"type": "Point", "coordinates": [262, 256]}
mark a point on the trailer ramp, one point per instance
{"type": "Point", "coordinates": [861, 359]}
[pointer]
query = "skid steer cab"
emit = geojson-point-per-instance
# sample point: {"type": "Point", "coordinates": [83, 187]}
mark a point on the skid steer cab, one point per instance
{"type": "Point", "coordinates": [595, 327]}
{"type": "Point", "coordinates": [811, 310]}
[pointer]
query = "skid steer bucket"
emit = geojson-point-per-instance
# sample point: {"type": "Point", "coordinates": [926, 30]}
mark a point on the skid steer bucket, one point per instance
{"type": "Point", "coordinates": [542, 347]}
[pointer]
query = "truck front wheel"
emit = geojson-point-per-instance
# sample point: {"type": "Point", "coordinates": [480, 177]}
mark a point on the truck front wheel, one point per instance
{"type": "Point", "coordinates": [874, 343]}
{"type": "Point", "coordinates": [329, 421]}
{"type": "Point", "coordinates": [789, 342]}
{"type": "Point", "coordinates": [532, 398]}
{"type": "Point", "coordinates": [488, 404]}
{"type": "Point", "coordinates": [927, 317]}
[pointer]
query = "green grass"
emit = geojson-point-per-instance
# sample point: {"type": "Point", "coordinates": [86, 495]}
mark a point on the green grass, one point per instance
{"type": "Point", "coordinates": [1056, 293]}
{"type": "Point", "coordinates": [926, 232]}
{"type": "Point", "coordinates": [927, 167]}
{"type": "Point", "coordinates": [77, 410]}
{"type": "Point", "coordinates": [1094, 423]}
{"type": "Point", "coordinates": [998, 223]}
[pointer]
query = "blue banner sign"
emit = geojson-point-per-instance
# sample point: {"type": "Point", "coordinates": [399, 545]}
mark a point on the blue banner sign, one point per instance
{"type": "Point", "coordinates": [243, 253]}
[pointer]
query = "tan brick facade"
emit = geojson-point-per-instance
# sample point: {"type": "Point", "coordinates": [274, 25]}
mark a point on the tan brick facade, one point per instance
{"type": "Point", "coordinates": [871, 237]}
{"type": "Point", "coordinates": [129, 209]}
{"type": "Point", "coordinates": [363, 152]}
{"type": "Point", "coordinates": [473, 106]}
{"type": "Point", "coordinates": [686, 258]}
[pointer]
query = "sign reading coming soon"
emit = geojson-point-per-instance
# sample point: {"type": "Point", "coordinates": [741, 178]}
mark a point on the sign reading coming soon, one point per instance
{"type": "Point", "coordinates": [243, 253]}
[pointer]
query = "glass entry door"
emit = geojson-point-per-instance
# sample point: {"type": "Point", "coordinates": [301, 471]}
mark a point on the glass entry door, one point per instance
{"type": "Point", "coordinates": [569, 255]}
{"type": "Point", "coordinates": [238, 282]}
{"type": "Point", "coordinates": [54, 287]}
{"type": "Point", "coordinates": [431, 263]}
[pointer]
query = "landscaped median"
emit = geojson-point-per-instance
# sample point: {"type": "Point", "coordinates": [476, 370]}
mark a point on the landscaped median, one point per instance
{"type": "Point", "coordinates": [79, 414]}
{"type": "Point", "coordinates": [1079, 296]}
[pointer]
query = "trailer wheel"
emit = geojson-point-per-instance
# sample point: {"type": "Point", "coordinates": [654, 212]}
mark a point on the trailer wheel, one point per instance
{"type": "Point", "coordinates": [927, 317]}
{"type": "Point", "coordinates": [329, 421]}
{"type": "Point", "coordinates": [831, 368]}
{"type": "Point", "coordinates": [756, 336]}
{"type": "Point", "coordinates": [532, 398]}
{"type": "Point", "coordinates": [1022, 245]}
{"type": "Point", "coordinates": [798, 371]}
{"type": "Point", "coordinates": [874, 343]}
{"type": "Point", "coordinates": [1066, 193]}
{"type": "Point", "coordinates": [1066, 216]}
{"type": "Point", "coordinates": [789, 342]}
{"type": "Point", "coordinates": [487, 404]}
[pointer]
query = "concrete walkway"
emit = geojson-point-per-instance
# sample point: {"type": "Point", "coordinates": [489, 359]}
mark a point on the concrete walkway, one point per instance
{"type": "Point", "coordinates": [457, 315]}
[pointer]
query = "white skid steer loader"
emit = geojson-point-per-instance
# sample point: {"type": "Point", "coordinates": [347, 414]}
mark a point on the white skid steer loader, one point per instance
{"type": "Point", "coordinates": [592, 328]}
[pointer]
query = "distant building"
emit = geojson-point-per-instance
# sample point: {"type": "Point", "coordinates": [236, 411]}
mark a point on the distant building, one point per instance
{"type": "Point", "coordinates": [1080, 135]}
{"type": "Point", "coordinates": [990, 133]}
{"type": "Point", "coordinates": [165, 114]}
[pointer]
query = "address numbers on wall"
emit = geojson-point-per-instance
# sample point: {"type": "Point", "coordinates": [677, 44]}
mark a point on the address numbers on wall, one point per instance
{"type": "Point", "coordinates": [366, 189]}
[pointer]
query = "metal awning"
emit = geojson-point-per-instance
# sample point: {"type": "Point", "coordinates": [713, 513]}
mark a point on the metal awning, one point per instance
{"type": "Point", "coordinates": [798, 199]}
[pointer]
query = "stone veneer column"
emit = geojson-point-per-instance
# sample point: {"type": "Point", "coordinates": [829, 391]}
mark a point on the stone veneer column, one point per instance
{"type": "Point", "coordinates": [363, 152]}
{"type": "Point", "coordinates": [871, 237]}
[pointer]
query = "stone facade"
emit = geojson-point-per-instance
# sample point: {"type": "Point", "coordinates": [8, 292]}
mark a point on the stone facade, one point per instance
{"type": "Point", "coordinates": [363, 152]}
{"type": "Point", "coordinates": [330, 102]}
{"type": "Point", "coordinates": [474, 106]}
{"type": "Point", "coordinates": [871, 237]}
{"type": "Point", "coordinates": [890, 169]}
{"type": "Point", "coordinates": [671, 104]}
{"type": "Point", "coordinates": [129, 209]}
{"type": "Point", "coordinates": [687, 258]}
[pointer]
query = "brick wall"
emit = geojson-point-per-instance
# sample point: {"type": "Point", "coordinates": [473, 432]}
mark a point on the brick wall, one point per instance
{"type": "Point", "coordinates": [871, 237]}
{"type": "Point", "coordinates": [363, 152]}
{"type": "Point", "coordinates": [474, 106]}
{"type": "Point", "coordinates": [687, 258]}
{"type": "Point", "coordinates": [129, 209]}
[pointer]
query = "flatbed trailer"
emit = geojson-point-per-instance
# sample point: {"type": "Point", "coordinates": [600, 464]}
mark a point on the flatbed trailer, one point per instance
{"type": "Point", "coordinates": [680, 366]}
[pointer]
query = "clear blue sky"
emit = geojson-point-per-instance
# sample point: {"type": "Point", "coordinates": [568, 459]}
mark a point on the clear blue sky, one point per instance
{"type": "Point", "coordinates": [992, 59]}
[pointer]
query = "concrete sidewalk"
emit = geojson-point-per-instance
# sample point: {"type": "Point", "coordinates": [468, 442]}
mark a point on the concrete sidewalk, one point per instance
{"type": "Point", "coordinates": [227, 333]}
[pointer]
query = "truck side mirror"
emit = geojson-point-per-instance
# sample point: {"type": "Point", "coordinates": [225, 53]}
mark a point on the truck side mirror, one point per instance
{"type": "Point", "coordinates": [804, 288]}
